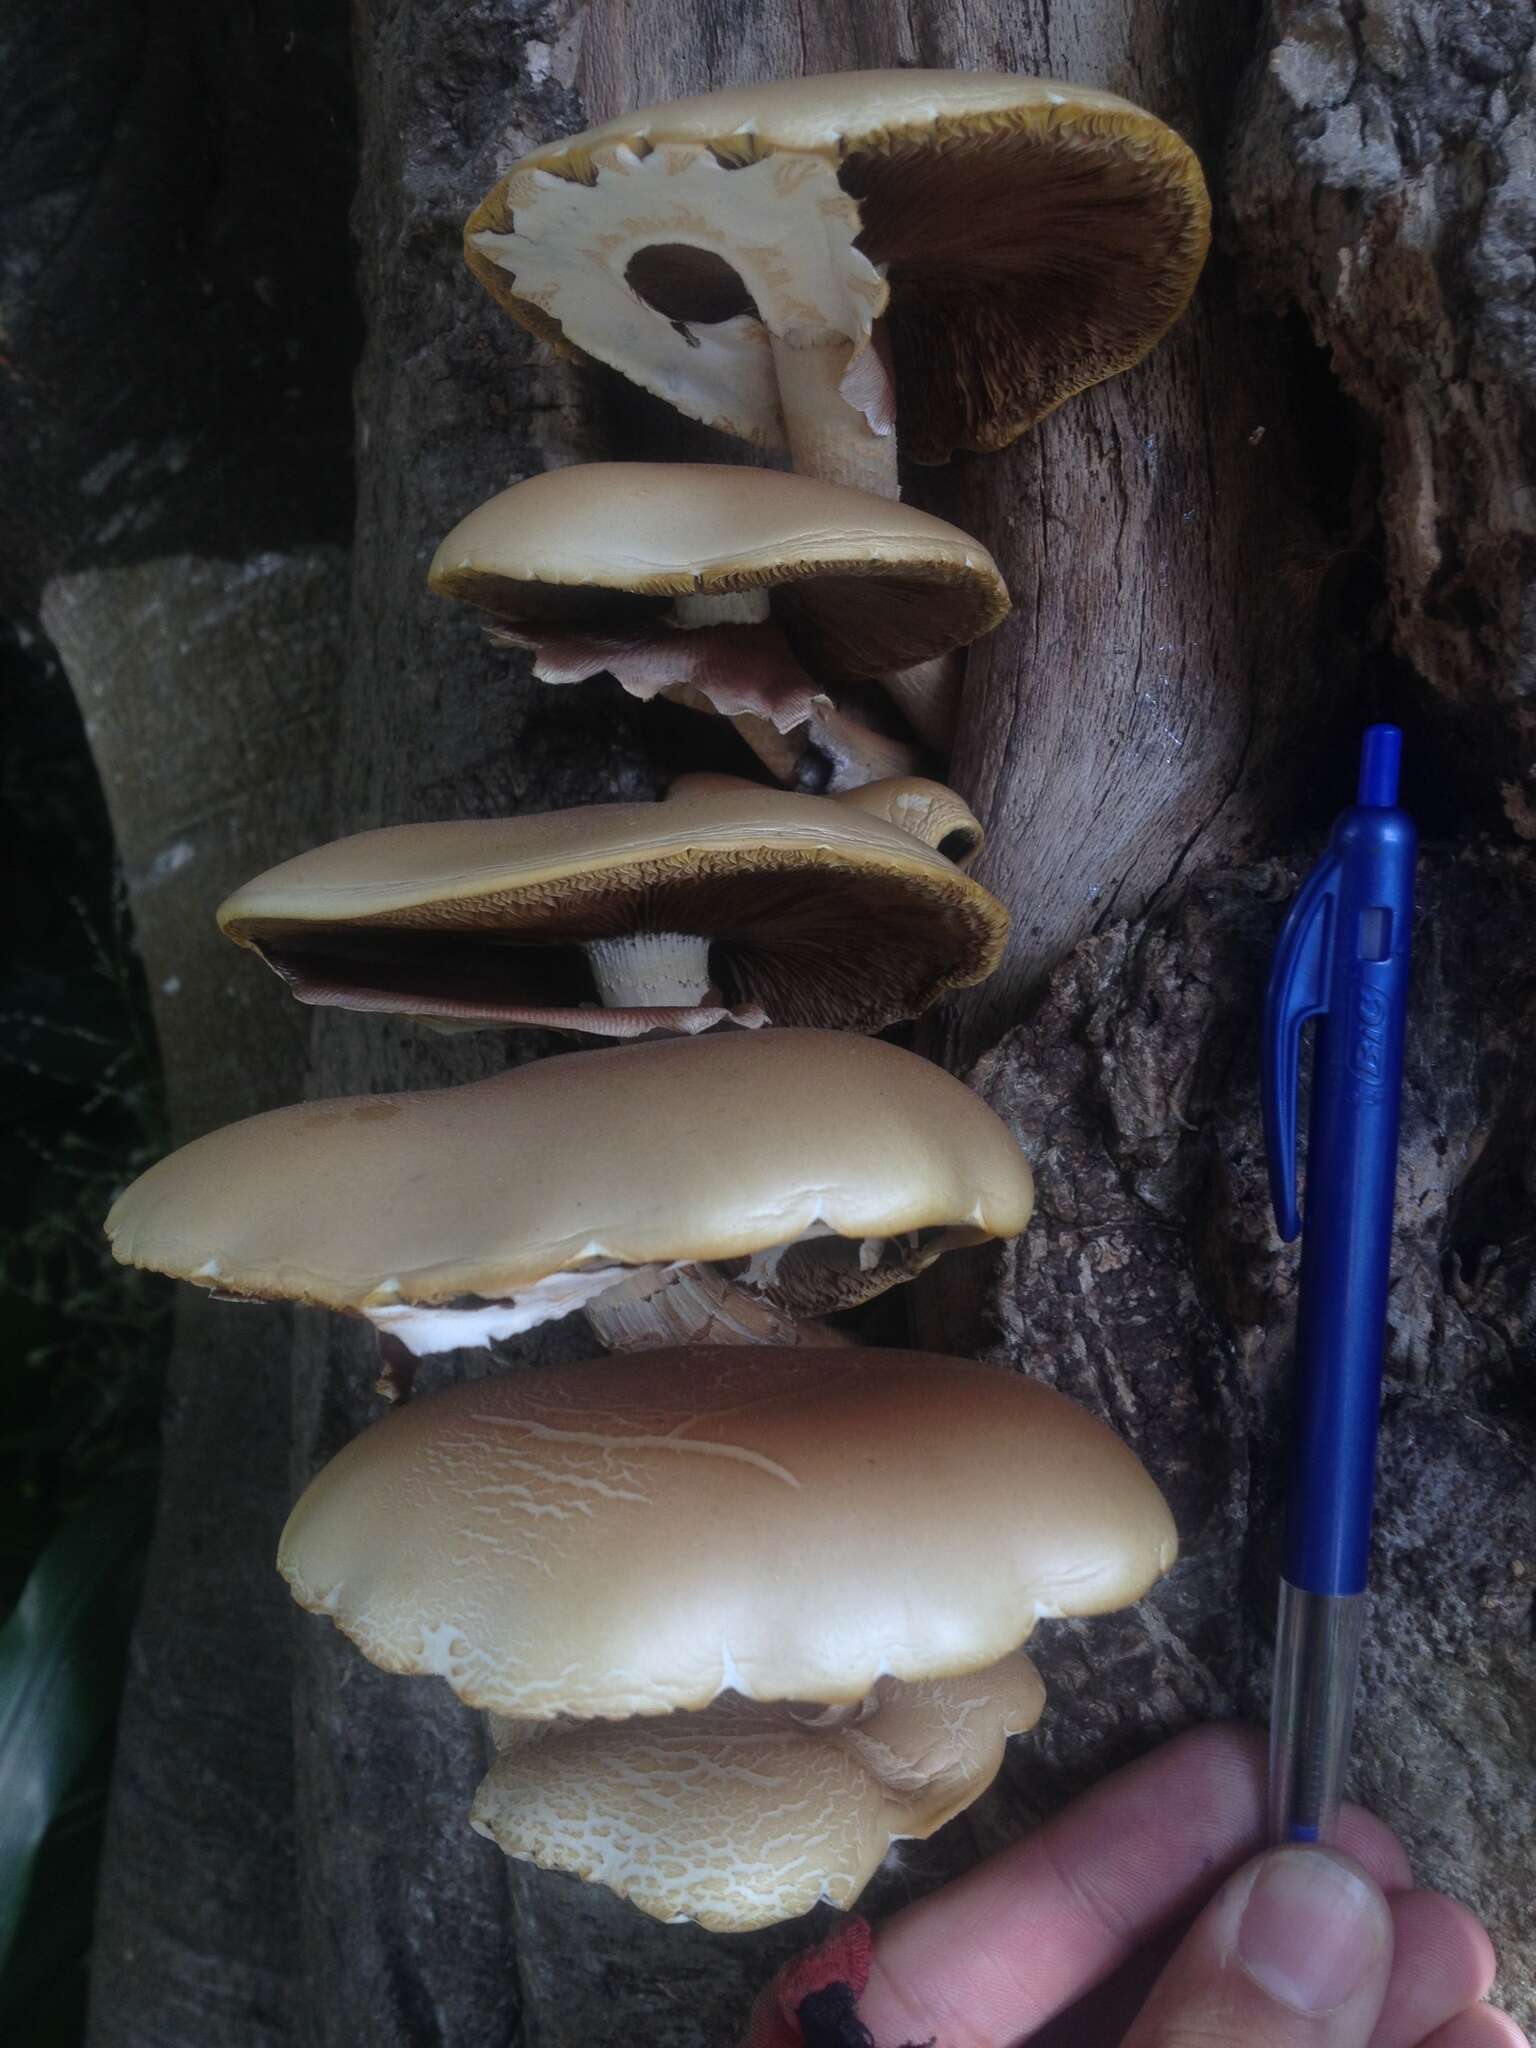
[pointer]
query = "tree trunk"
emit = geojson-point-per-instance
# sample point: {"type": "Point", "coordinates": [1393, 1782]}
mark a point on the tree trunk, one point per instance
{"type": "Point", "coordinates": [1221, 565]}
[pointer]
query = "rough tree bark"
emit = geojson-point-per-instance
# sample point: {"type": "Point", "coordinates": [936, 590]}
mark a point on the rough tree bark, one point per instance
{"type": "Point", "coordinates": [1385, 180]}
{"type": "Point", "coordinates": [1218, 565]}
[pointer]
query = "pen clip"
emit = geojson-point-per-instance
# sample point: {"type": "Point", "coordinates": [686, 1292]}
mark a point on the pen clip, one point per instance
{"type": "Point", "coordinates": [1298, 991]}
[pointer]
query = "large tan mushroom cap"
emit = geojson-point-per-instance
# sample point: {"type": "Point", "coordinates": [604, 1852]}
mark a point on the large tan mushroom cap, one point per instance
{"type": "Point", "coordinates": [818, 911]}
{"type": "Point", "coordinates": [638, 1536]}
{"type": "Point", "coordinates": [1023, 239]}
{"type": "Point", "coordinates": [860, 584]}
{"type": "Point", "coordinates": [735, 1816]}
{"type": "Point", "coordinates": [680, 1150]}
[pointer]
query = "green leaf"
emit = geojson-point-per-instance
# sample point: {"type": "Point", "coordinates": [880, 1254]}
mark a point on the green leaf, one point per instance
{"type": "Point", "coordinates": [61, 1660]}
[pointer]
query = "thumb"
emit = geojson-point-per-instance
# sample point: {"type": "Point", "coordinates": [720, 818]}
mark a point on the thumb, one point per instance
{"type": "Point", "coordinates": [1293, 1952]}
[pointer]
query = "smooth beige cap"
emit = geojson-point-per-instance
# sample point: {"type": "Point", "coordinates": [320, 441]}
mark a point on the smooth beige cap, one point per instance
{"type": "Point", "coordinates": [682, 1149]}
{"type": "Point", "coordinates": [820, 911]}
{"type": "Point", "coordinates": [737, 1818]}
{"type": "Point", "coordinates": [927, 809]}
{"type": "Point", "coordinates": [1023, 238]}
{"type": "Point", "coordinates": [641, 1534]}
{"type": "Point", "coordinates": [860, 584]}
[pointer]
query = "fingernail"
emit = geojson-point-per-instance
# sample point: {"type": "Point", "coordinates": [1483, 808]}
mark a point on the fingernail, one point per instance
{"type": "Point", "coordinates": [1311, 1931]}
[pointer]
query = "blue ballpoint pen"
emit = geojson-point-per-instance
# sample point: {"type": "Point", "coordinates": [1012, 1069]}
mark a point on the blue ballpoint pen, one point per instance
{"type": "Point", "coordinates": [1343, 960]}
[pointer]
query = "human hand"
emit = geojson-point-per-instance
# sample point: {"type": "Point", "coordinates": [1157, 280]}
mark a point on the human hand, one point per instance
{"type": "Point", "coordinates": [1055, 1942]}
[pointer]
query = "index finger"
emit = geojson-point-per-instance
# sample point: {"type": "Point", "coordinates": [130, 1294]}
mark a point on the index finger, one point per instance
{"type": "Point", "coordinates": [992, 1957]}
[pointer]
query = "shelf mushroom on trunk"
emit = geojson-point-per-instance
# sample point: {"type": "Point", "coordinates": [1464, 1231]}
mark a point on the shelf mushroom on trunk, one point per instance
{"type": "Point", "coordinates": [796, 262]}
{"type": "Point", "coordinates": [773, 599]}
{"type": "Point", "coordinates": [742, 1618]}
{"type": "Point", "coordinates": [725, 903]}
{"type": "Point", "coordinates": [709, 1188]}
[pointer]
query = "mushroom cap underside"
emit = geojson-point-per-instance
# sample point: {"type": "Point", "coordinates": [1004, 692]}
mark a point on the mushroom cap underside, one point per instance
{"type": "Point", "coordinates": [1023, 239]}
{"type": "Point", "coordinates": [683, 1150]}
{"type": "Point", "coordinates": [639, 1535]}
{"type": "Point", "coordinates": [820, 912]}
{"type": "Point", "coordinates": [861, 585]}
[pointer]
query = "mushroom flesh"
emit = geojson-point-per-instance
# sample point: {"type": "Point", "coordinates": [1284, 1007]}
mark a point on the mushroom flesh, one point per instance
{"type": "Point", "coordinates": [742, 1616]}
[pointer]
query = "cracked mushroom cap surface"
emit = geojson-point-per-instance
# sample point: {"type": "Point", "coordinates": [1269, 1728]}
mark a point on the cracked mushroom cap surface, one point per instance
{"type": "Point", "coordinates": [819, 911]}
{"type": "Point", "coordinates": [679, 1150]}
{"type": "Point", "coordinates": [1020, 238]}
{"type": "Point", "coordinates": [638, 1536]}
{"type": "Point", "coordinates": [859, 584]}
{"type": "Point", "coordinates": [739, 1815]}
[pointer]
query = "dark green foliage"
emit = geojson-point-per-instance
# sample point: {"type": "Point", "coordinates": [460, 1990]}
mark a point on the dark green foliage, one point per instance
{"type": "Point", "coordinates": [61, 1659]}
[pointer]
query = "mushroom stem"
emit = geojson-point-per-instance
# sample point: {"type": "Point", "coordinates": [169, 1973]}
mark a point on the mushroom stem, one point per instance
{"type": "Point", "coordinates": [694, 1305]}
{"type": "Point", "coordinates": [651, 970]}
{"type": "Point", "coordinates": [779, 752]}
{"type": "Point", "coordinates": [829, 437]}
{"type": "Point", "coordinates": [809, 1714]}
{"type": "Point", "coordinates": [928, 697]}
{"type": "Point", "coordinates": [721, 608]}
{"type": "Point", "coordinates": [856, 754]}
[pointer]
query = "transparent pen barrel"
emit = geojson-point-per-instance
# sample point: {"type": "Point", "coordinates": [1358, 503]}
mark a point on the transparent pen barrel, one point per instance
{"type": "Point", "coordinates": [1317, 1663]}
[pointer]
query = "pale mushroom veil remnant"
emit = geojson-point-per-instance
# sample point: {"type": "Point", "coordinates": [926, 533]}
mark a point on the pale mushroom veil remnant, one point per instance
{"type": "Point", "coordinates": [820, 620]}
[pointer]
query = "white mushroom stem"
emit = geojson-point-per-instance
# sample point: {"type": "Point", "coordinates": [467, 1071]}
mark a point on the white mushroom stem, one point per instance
{"type": "Point", "coordinates": [721, 608]}
{"type": "Point", "coordinates": [928, 697]}
{"type": "Point", "coordinates": [827, 418]}
{"type": "Point", "coordinates": [852, 754]}
{"type": "Point", "coordinates": [651, 970]}
{"type": "Point", "coordinates": [808, 1714]}
{"type": "Point", "coordinates": [694, 1305]}
{"type": "Point", "coordinates": [779, 752]}
{"type": "Point", "coordinates": [828, 436]}
{"type": "Point", "coordinates": [856, 754]}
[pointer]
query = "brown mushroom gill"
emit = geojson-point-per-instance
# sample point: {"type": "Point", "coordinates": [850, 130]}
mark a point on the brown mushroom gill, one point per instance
{"type": "Point", "coordinates": [988, 244]}
{"type": "Point", "coordinates": [976, 280]}
{"type": "Point", "coordinates": [1051, 286]}
{"type": "Point", "coordinates": [765, 944]}
{"type": "Point", "coordinates": [772, 598]}
{"type": "Point", "coordinates": [836, 627]}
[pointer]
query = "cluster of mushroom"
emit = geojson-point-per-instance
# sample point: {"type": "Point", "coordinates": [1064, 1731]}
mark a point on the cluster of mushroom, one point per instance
{"type": "Point", "coordinates": [745, 1603]}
